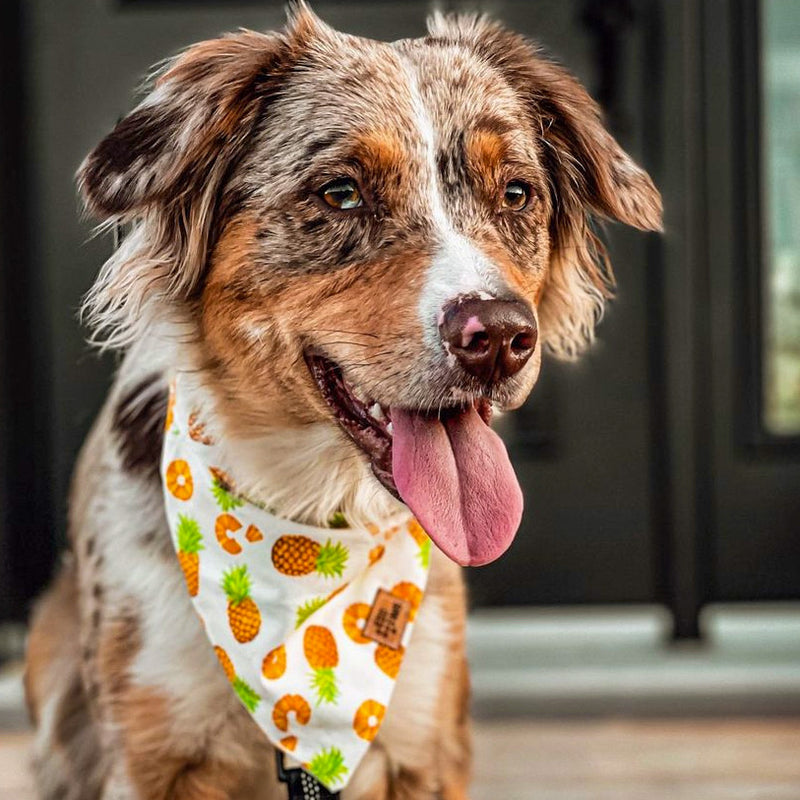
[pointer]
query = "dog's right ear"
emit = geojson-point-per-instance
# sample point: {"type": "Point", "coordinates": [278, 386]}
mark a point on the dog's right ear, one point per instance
{"type": "Point", "coordinates": [164, 168]}
{"type": "Point", "coordinates": [199, 112]}
{"type": "Point", "coordinates": [202, 104]}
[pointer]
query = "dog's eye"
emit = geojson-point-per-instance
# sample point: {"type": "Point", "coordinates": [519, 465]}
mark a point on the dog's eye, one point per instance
{"type": "Point", "coordinates": [516, 195]}
{"type": "Point", "coordinates": [342, 194]}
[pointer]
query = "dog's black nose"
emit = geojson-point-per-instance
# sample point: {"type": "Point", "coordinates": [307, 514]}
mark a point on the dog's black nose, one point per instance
{"type": "Point", "coordinates": [492, 339]}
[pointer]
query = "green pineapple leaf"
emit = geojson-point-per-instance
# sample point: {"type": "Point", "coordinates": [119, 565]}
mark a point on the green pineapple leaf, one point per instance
{"type": "Point", "coordinates": [424, 554]}
{"type": "Point", "coordinates": [308, 608]}
{"type": "Point", "coordinates": [328, 766]}
{"type": "Point", "coordinates": [331, 559]}
{"type": "Point", "coordinates": [190, 540]}
{"type": "Point", "coordinates": [323, 681]}
{"type": "Point", "coordinates": [338, 520]}
{"type": "Point", "coordinates": [247, 694]}
{"type": "Point", "coordinates": [225, 500]}
{"type": "Point", "coordinates": [236, 584]}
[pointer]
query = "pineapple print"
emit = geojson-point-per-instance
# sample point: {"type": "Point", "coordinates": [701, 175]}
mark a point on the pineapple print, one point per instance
{"type": "Point", "coordinates": [289, 743]}
{"type": "Point", "coordinates": [322, 655]}
{"type": "Point", "coordinates": [389, 660]}
{"type": "Point", "coordinates": [376, 554]}
{"type": "Point", "coordinates": [307, 609]}
{"type": "Point", "coordinates": [299, 555]}
{"type": "Point", "coordinates": [338, 520]}
{"type": "Point", "coordinates": [190, 543]}
{"type": "Point", "coordinates": [274, 664]}
{"type": "Point", "coordinates": [290, 704]}
{"type": "Point", "coordinates": [197, 429]}
{"type": "Point", "coordinates": [223, 490]}
{"type": "Point", "coordinates": [179, 479]}
{"type": "Point", "coordinates": [353, 622]}
{"type": "Point", "coordinates": [227, 664]}
{"type": "Point", "coordinates": [328, 766]}
{"type": "Point", "coordinates": [243, 614]}
{"type": "Point", "coordinates": [225, 525]}
{"type": "Point", "coordinates": [409, 591]}
{"type": "Point", "coordinates": [253, 534]}
{"type": "Point", "coordinates": [247, 694]}
{"type": "Point", "coordinates": [368, 718]}
{"type": "Point", "coordinates": [424, 542]}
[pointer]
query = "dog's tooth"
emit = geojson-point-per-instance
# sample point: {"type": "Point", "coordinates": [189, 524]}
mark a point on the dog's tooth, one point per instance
{"type": "Point", "coordinates": [390, 429]}
{"type": "Point", "coordinates": [376, 412]}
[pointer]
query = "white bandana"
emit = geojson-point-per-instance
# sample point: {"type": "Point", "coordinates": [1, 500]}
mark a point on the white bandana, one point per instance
{"type": "Point", "coordinates": [310, 624]}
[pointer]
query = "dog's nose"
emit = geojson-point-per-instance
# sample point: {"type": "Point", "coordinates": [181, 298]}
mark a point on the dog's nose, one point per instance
{"type": "Point", "coordinates": [492, 339]}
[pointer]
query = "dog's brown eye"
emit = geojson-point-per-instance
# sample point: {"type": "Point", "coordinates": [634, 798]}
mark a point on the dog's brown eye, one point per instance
{"type": "Point", "coordinates": [516, 195]}
{"type": "Point", "coordinates": [342, 194]}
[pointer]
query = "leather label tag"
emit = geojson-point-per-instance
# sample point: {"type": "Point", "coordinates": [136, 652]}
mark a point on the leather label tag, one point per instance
{"type": "Point", "coordinates": [387, 619]}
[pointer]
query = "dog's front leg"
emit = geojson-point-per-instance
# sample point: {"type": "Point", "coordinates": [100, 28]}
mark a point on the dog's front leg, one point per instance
{"type": "Point", "coordinates": [166, 776]}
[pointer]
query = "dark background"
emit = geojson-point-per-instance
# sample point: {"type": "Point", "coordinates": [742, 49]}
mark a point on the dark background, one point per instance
{"type": "Point", "coordinates": [649, 477]}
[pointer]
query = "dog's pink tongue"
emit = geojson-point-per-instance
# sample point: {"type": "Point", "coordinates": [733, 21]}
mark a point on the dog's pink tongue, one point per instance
{"type": "Point", "coordinates": [455, 476]}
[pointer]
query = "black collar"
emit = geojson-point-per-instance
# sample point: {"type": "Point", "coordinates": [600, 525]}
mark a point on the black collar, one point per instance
{"type": "Point", "coordinates": [300, 784]}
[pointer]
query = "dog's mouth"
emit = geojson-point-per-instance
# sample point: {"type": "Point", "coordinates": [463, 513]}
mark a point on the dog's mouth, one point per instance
{"type": "Point", "coordinates": [450, 468]}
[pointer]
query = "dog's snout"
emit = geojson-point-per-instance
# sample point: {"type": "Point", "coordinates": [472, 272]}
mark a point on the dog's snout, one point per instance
{"type": "Point", "coordinates": [492, 339]}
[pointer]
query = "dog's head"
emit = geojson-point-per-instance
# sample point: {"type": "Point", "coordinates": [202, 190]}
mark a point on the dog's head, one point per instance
{"type": "Point", "coordinates": [379, 237]}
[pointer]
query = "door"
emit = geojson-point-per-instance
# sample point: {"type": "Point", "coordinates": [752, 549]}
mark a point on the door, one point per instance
{"type": "Point", "coordinates": [640, 485]}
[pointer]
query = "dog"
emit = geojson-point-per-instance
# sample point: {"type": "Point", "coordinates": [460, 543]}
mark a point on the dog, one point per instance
{"type": "Point", "coordinates": [354, 248]}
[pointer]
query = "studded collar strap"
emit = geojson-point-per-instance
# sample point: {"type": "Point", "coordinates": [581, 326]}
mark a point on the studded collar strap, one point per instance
{"type": "Point", "coordinates": [301, 785]}
{"type": "Point", "coordinates": [309, 624]}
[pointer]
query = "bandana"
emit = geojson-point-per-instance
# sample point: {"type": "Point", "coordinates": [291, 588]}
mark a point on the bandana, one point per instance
{"type": "Point", "coordinates": [309, 624]}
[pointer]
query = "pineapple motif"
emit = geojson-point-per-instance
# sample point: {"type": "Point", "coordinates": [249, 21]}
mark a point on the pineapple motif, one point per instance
{"type": "Point", "coordinates": [197, 429]}
{"type": "Point", "coordinates": [227, 664]}
{"type": "Point", "coordinates": [368, 718]}
{"type": "Point", "coordinates": [190, 543]}
{"type": "Point", "coordinates": [179, 479]}
{"type": "Point", "coordinates": [322, 655]}
{"type": "Point", "coordinates": [223, 490]}
{"type": "Point", "coordinates": [424, 542]}
{"type": "Point", "coordinates": [328, 766]}
{"type": "Point", "coordinates": [376, 554]}
{"type": "Point", "coordinates": [289, 743]}
{"type": "Point", "coordinates": [243, 614]}
{"type": "Point", "coordinates": [409, 591]}
{"type": "Point", "coordinates": [290, 704]}
{"type": "Point", "coordinates": [225, 525]}
{"type": "Point", "coordinates": [274, 664]}
{"type": "Point", "coordinates": [247, 694]}
{"type": "Point", "coordinates": [338, 520]}
{"type": "Point", "coordinates": [389, 660]}
{"type": "Point", "coordinates": [253, 534]}
{"type": "Point", "coordinates": [353, 622]}
{"type": "Point", "coordinates": [307, 609]}
{"type": "Point", "coordinates": [299, 555]}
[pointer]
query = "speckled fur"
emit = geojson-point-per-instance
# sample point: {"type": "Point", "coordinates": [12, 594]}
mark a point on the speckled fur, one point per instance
{"type": "Point", "coordinates": [232, 267]}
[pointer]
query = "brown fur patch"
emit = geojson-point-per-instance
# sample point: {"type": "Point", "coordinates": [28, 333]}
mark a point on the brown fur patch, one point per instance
{"type": "Point", "coordinates": [119, 641]}
{"type": "Point", "coordinates": [139, 425]}
{"type": "Point", "coordinates": [52, 639]}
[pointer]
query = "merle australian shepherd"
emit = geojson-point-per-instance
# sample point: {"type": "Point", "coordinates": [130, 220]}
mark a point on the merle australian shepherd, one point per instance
{"type": "Point", "coordinates": [357, 248]}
